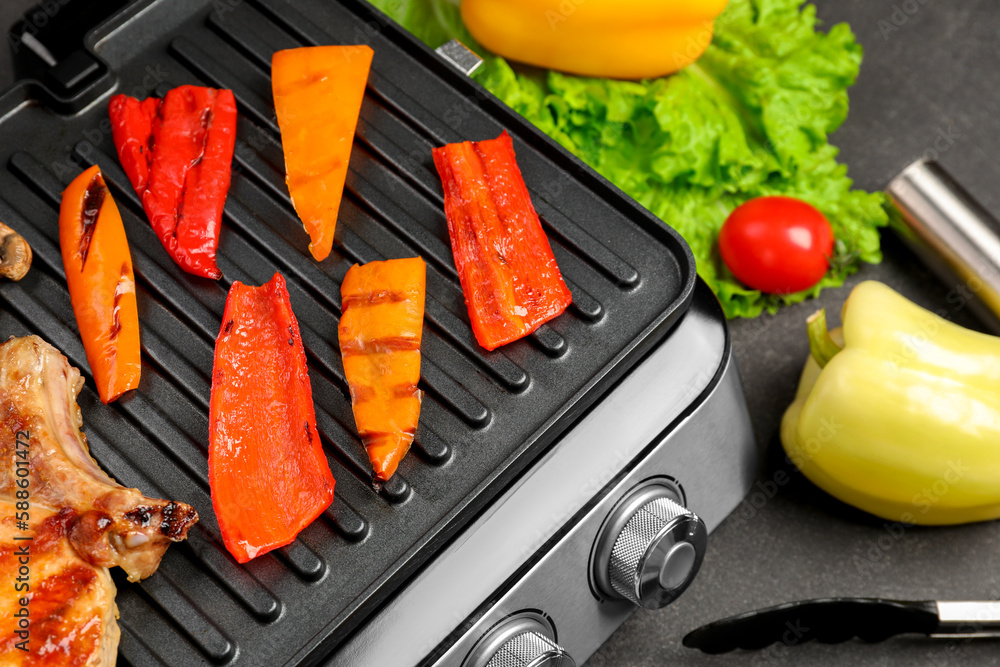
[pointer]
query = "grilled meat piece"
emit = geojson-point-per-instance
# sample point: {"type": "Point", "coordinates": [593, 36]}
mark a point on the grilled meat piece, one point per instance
{"type": "Point", "coordinates": [15, 254]}
{"type": "Point", "coordinates": [111, 525]}
{"type": "Point", "coordinates": [71, 608]}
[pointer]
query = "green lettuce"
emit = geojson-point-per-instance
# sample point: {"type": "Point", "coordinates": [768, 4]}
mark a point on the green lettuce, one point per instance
{"type": "Point", "coordinates": [750, 118]}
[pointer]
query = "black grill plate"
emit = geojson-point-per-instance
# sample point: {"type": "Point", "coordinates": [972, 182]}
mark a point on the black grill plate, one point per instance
{"type": "Point", "coordinates": [486, 416]}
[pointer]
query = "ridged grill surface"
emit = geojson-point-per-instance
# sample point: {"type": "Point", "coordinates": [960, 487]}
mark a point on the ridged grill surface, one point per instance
{"type": "Point", "coordinates": [635, 538]}
{"type": "Point", "coordinates": [521, 650]}
{"type": "Point", "coordinates": [485, 416]}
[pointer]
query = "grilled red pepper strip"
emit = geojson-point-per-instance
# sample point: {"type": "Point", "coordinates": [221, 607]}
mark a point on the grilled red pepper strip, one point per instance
{"type": "Point", "coordinates": [266, 466]}
{"type": "Point", "coordinates": [508, 273]}
{"type": "Point", "coordinates": [178, 152]}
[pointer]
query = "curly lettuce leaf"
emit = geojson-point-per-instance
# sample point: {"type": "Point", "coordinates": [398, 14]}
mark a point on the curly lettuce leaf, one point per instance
{"type": "Point", "coordinates": [748, 119]}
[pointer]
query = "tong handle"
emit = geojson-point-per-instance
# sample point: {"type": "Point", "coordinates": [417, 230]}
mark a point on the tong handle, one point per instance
{"type": "Point", "coordinates": [829, 620]}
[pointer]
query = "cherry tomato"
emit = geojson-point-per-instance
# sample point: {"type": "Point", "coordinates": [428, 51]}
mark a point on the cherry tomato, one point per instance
{"type": "Point", "coordinates": [777, 245]}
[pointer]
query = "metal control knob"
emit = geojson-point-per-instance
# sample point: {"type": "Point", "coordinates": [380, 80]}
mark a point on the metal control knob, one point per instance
{"type": "Point", "coordinates": [523, 640]}
{"type": "Point", "coordinates": [649, 549]}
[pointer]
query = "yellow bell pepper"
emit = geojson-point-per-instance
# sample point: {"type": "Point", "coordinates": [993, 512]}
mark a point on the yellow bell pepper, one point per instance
{"type": "Point", "coordinates": [625, 39]}
{"type": "Point", "coordinates": [904, 420]}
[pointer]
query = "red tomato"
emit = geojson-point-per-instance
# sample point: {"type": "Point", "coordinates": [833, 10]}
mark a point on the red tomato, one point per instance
{"type": "Point", "coordinates": [778, 245]}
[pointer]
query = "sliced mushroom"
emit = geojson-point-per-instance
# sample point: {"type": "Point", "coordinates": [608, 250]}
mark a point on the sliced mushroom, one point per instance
{"type": "Point", "coordinates": [15, 254]}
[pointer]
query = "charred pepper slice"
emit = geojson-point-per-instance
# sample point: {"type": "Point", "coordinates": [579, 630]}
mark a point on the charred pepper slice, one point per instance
{"type": "Point", "coordinates": [317, 97]}
{"type": "Point", "coordinates": [101, 283]}
{"type": "Point", "coordinates": [380, 333]}
{"type": "Point", "coordinates": [178, 153]}
{"type": "Point", "coordinates": [511, 282]}
{"type": "Point", "coordinates": [266, 467]}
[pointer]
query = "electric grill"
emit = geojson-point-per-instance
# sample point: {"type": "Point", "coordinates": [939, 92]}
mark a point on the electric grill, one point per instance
{"type": "Point", "coordinates": [544, 498]}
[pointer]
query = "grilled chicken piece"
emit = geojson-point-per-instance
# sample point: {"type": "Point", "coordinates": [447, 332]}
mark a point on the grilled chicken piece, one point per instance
{"type": "Point", "coordinates": [71, 609]}
{"type": "Point", "coordinates": [111, 525]}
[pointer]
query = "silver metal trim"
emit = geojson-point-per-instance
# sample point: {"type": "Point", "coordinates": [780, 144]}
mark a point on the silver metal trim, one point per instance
{"type": "Point", "coordinates": [969, 619]}
{"type": "Point", "coordinates": [39, 49]}
{"type": "Point", "coordinates": [460, 56]}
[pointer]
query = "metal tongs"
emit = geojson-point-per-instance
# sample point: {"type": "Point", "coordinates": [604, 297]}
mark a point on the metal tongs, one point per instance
{"type": "Point", "coordinates": [835, 620]}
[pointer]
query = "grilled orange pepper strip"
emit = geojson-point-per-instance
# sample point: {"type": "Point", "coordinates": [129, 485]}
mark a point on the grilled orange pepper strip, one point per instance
{"type": "Point", "coordinates": [380, 332]}
{"type": "Point", "coordinates": [317, 96]}
{"type": "Point", "coordinates": [101, 284]}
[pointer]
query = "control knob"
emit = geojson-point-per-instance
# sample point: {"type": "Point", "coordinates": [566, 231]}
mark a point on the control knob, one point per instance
{"type": "Point", "coordinates": [649, 549]}
{"type": "Point", "coordinates": [523, 640]}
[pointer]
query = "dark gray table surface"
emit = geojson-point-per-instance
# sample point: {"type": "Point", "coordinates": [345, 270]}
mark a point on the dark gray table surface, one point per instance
{"type": "Point", "coordinates": [929, 85]}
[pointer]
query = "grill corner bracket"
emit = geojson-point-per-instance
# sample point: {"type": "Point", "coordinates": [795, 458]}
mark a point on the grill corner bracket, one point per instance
{"type": "Point", "coordinates": [459, 56]}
